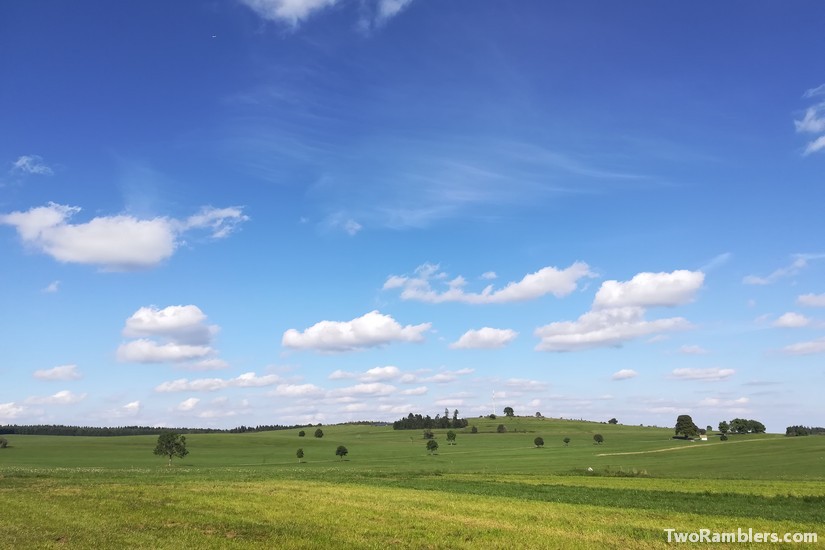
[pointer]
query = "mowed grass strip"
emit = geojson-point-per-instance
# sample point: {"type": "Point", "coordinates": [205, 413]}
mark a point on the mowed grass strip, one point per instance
{"type": "Point", "coordinates": [312, 514]}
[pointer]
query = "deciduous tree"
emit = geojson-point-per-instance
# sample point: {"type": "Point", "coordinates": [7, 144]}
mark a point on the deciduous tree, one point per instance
{"type": "Point", "coordinates": [508, 411]}
{"type": "Point", "coordinates": [341, 451]}
{"type": "Point", "coordinates": [538, 442]}
{"type": "Point", "coordinates": [432, 446]}
{"type": "Point", "coordinates": [171, 445]}
{"type": "Point", "coordinates": [598, 438]}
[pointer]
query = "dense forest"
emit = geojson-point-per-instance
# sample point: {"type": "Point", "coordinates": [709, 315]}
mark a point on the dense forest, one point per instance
{"type": "Point", "coordinates": [804, 430]}
{"type": "Point", "coordinates": [418, 422]}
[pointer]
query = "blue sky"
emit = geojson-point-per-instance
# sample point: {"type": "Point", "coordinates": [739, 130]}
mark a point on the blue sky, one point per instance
{"type": "Point", "coordinates": [294, 211]}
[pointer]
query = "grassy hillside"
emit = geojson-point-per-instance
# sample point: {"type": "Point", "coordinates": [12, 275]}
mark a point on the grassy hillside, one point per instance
{"type": "Point", "coordinates": [492, 490]}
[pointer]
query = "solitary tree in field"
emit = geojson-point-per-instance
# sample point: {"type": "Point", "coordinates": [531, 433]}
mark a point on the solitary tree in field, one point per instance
{"type": "Point", "coordinates": [302, 433]}
{"type": "Point", "coordinates": [451, 438]}
{"type": "Point", "coordinates": [501, 428]}
{"type": "Point", "coordinates": [566, 441]}
{"type": "Point", "coordinates": [473, 430]}
{"type": "Point", "coordinates": [538, 415]}
{"type": "Point", "coordinates": [432, 446]}
{"type": "Point", "coordinates": [171, 445]}
{"type": "Point", "coordinates": [612, 421]}
{"type": "Point", "coordinates": [300, 454]}
{"type": "Point", "coordinates": [538, 442]}
{"type": "Point", "coordinates": [598, 439]}
{"type": "Point", "coordinates": [685, 426]}
{"type": "Point", "coordinates": [508, 411]}
{"type": "Point", "coordinates": [3, 442]}
{"type": "Point", "coordinates": [319, 433]}
{"type": "Point", "coordinates": [341, 451]}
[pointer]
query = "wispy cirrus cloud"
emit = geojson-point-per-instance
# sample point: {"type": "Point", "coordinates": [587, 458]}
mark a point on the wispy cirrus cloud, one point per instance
{"type": "Point", "coordinates": [114, 243]}
{"type": "Point", "coordinates": [31, 164]}
{"type": "Point", "coordinates": [813, 121]}
{"type": "Point", "coordinates": [295, 12]}
{"type": "Point", "coordinates": [708, 375]}
{"type": "Point", "coordinates": [61, 372]}
{"type": "Point", "coordinates": [811, 300]}
{"type": "Point", "coordinates": [800, 262]}
{"type": "Point", "coordinates": [246, 380]}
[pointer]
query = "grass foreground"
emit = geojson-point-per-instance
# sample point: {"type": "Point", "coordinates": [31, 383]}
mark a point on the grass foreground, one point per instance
{"type": "Point", "coordinates": [490, 490]}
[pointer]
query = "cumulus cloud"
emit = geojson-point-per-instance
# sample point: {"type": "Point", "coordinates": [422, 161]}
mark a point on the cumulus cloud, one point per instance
{"type": "Point", "coordinates": [485, 338]}
{"type": "Point", "coordinates": [548, 280]}
{"type": "Point", "coordinates": [188, 404]}
{"type": "Point", "coordinates": [61, 372]}
{"type": "Point", "coordinates": [420, 390]}
{"type": "Point", "coordinates": [693, 350]}
{"type": "Point", "coordinates": [718, 402]}
{"type": "Point", "coordinates": [447, 376]}
{"type": "Point", "coordinates": [792, 320]}
{"type": "Point", "coordinates": [604, 328]}
{"type": "Point", "coordinates": [378, 374]}
{"type": "Point", "coordinates": [64, 397]}
{"type": "Point", "coordinates": [811, 300]}
{"type": "Point", "coordinates": [31, 164]}
{"type": "Point", "coordinates": [246, 380]}
{"type": "Point", "coordinates": [131, 408]}
{"type": "Point", "coordinates": [371, 389]}
{"type": "Point", "coordinates": [799, 262]}
{"type": "Point", "coordinates": [624, 374]}
{"type": "Point", "coordinates": [9, 411]}
{"type": "Point", "coordinates": [182, 324]}
{"type": "Point", "coordinates": [618, 312]}
{"type": "Point", "coordinates": [370, 330]}
{"type": "Point", "coordinates": [650, 290]}
{"type": "Point", "coordinates": [710, 374]}
{"type": "Point", "coordinates": [149, 351]}
{"type": "Point", "coordinates": [806, 348]}
{"type": "Point", "coordinates": [114, 243]}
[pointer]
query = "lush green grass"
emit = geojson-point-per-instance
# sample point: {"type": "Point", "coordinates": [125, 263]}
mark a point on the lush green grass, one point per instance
{"type": "Point", "coordinates": [490, 490]}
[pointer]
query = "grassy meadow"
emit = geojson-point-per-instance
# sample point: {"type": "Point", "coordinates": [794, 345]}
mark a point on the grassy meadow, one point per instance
{"type": "Point", "coordinates": [490, 490]}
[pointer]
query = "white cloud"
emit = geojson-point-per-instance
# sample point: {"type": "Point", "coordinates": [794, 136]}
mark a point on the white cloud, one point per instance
{"type": "Point", "coordinates": [188, 404]}
{"type": "Point", "coordinates": [800, 261]}
{"type": "Point", "coordinates": [370, 330]}
{"type": "Point", "coordinates": [246, 380]}
{"type": "Point", "coordinates": [9, 411]}
{"type": "Point", "coordinates": [291, 12]}
{"type": "Point", "coordinates": [603, 328]}
{"type": "Point", "coordinates": [816, 145]}
{"type": "Point", "coordinates": [181, 324]}
{"type": "Point", "coordinates": [548, 280]}
{"type": "Point", "coordinates": [62, 372]}
{"type": "Point", "coordinates": [650, 290]}
{"type": "Point", "coordinates": [811, 300]}
{"type": "Point", "coordinates": [485, 338]}
{"type": "Point", "coordinates": [813, 122]}
{"type": "Point", "coordinates": [297, 390]}
{"type": "Point", "coordinates": [489, 275]}
{"type": "Point", "coordinates": [693, 350]}
{"type": "Point", "coordinates": [717, 402]}
{"type": "Point", "coordinates": [792, 320]}
{"type": "Point", "coordinates": [206, 364]}
{"type": "Point", "coordinates": [64, 397]}
{"type": "Point", "coordinates": [813, 92]}
{"type": "Point", "coordinates": [378, 374]}
{"type": "Point", "coordinates": [52, 287]}
{"type": "Point", "coordinates": [525, 385]}
{"type": "Point", "coordinates": [149, 351]}
{"type": "Point", "coordinates": [115, 243]}
{"type": "Point", "coordinates": [447, 376]}
{"type": "Point", "coordinates": [806, 348]}
{"type": "Point", "coordinates": [131, 408]}
{"type": "Point", "coordinates": [31, 164]}
{"type": "Point", "coordinates": [341, 375]}
{"type": "Point", "coordinates": [710, 374]}
{"type": "Point", "coordinates": [624, 374]}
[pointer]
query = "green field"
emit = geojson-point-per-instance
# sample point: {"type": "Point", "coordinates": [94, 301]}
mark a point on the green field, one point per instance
{"type": "Point", "coordinates": [490, 490]}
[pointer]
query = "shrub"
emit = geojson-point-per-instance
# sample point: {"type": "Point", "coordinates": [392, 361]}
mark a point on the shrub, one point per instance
{"type": "Point", "coordinates": [501, 428]}
{"type": "Point", "coordinates": [539, 442]}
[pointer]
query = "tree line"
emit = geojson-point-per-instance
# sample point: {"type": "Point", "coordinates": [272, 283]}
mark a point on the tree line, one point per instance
{"type": "Point", "coordinates": [59, 429]}
{"type": "Point", "coordinates": [418, 422]}
{"type": "Point", "coordinates": [804, 430]}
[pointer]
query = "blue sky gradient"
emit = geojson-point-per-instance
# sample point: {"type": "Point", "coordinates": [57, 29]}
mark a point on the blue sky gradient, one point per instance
{"type": "Point", "coordinates": [294, 211]}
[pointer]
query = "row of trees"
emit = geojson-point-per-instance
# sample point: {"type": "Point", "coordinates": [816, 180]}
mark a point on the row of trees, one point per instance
{"type": "Point", "coordinates": [341, 452]}
{"type": "Point", "coordinates": [803, 430]}
{"type": "Point", "coordinates": [686, 427]}
{"type": "Point", "coordinates": [418, 422]}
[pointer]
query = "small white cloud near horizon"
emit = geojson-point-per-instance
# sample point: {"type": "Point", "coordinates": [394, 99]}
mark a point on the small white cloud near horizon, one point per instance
{"type": "Point", "coordinates": [709, 374]}
{"type": "Point", "coordinates": [548, 280]}
{"type": "Point", "coordinates": [188, 404]}
{"type": "Point", "coordinates": [372, 329]}
{"type": "Point", "coordinates": [485, 338]}
{"type": "Point", "coordinates": [61, 372]}
{"type": "Point", "coordinates": [113, 243]}
{"type": "Point", "coordinates": [31, 164]}
{"type": "Point", "coordinates": [10, 411]}
{"type": "Point", "coordinates": [624, 374]}
{"type": "Point", "coordinates": [792, 320]}
{"type": "Point", "coordinates": [64, 397]}
{"type": "Point", "coordinates": [811, 300]}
